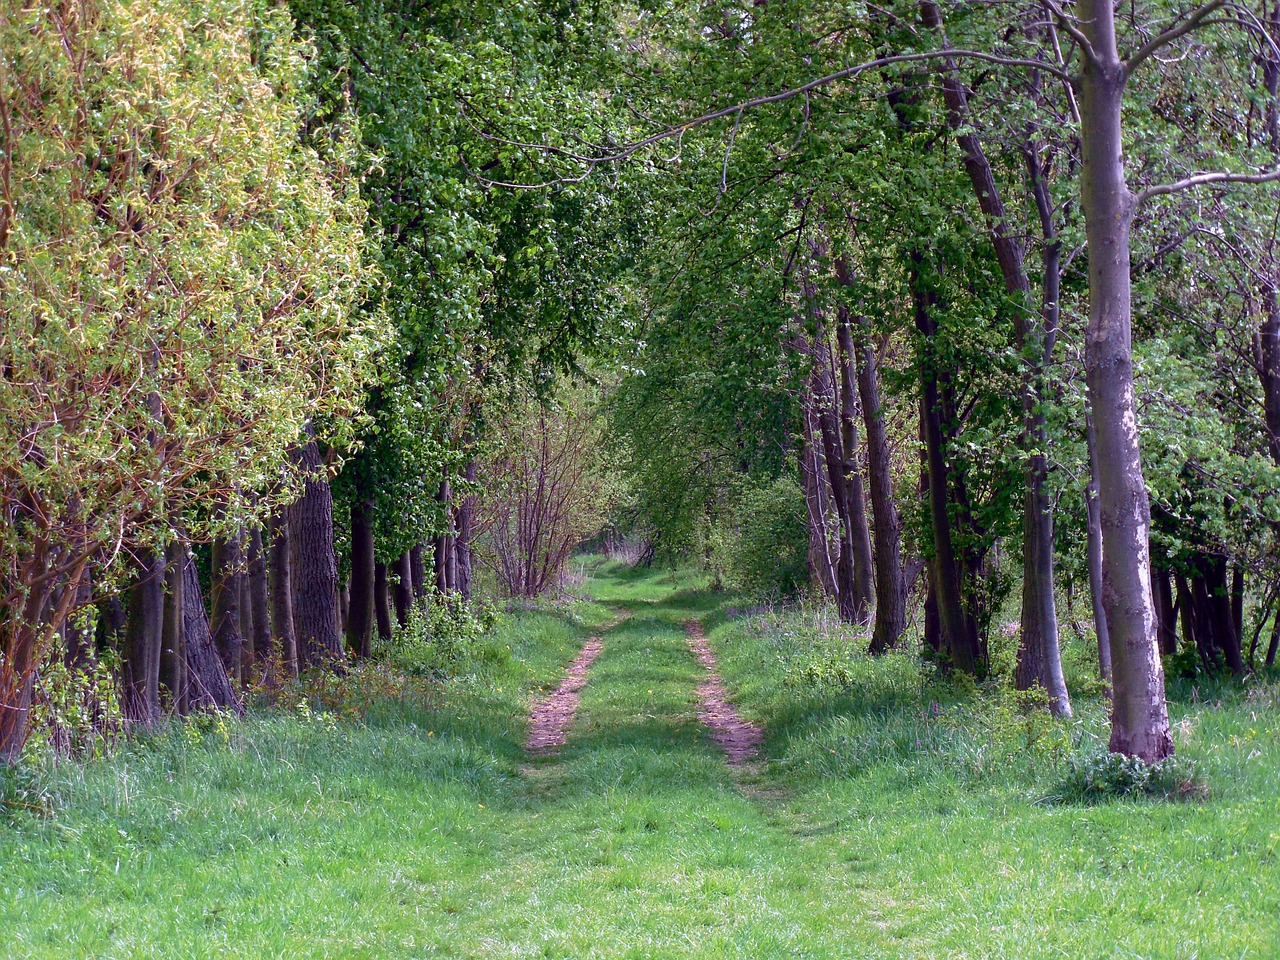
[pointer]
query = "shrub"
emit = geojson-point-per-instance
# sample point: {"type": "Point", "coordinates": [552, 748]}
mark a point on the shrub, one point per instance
{"type": "Point", "coordinates": [444, 637]}
{"type": "Point", "coordinates": [763, 545]}
{"type": "Point", "coordinates": [1097, 776]}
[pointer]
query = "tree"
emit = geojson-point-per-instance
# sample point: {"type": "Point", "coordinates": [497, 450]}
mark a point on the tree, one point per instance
{"type": "Point", "coordinates": [177, 297]}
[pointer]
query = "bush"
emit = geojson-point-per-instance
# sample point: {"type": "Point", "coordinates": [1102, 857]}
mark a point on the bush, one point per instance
{"type": "Point", "coordinates": [444, 637]}
{"type": "Point", "coordinates": [763, 545]}
{"type": "Point", "coordinates": [1097, 776]}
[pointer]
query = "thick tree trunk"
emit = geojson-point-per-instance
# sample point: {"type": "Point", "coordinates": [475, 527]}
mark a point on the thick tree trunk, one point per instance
{"type": "Point", "coordinates": [143, 642]}
{"type": "Point", "coordinates": [402, 593]}
{"type": "Point", "coordinates": [360, 612]}
{"type": "Point", "coordinates": [285, 641]}
{"type": "Point", "coordinates": [382, 601]}
{"type": "Point", "coordinates": [228, 577]}
{"type": "Point", "coordinates": [173, 663]}
{"type": "Point", "coordinates": [1139, 717]}
{"type": "Point", "coordinates": [20, 634]}
{"type": "Point", "coordinates": [259, 596]}
{"type": "Point", "coordinates": [856, 494]}
{"type": "Point", "coordinates": [207, 683]}
{"type": "Point", "coordinates": [891, 586]}
{"type": "Point", "coordinates": [314, 566]}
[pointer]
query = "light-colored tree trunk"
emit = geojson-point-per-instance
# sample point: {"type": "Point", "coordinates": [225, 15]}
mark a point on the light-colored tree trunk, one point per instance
{"type": "Point", "coordinates": [1139, 716]}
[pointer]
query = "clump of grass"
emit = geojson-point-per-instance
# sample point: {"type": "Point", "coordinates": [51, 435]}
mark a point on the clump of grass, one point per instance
{"type": "Point", "coordinates": [1098, 776]}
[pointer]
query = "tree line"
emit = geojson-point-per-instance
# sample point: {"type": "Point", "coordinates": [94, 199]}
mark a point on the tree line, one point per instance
{"type": "Point", "coordinates": [916, 305]}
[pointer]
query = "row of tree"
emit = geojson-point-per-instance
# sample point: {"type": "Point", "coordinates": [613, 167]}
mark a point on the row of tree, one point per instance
{"type": "Point", "coordinates": [262, 324]}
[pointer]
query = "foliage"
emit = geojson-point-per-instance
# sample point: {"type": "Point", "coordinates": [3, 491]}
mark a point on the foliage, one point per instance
{"type": "Point", "coordinates": [760, 539]}
{"type": "Point", "coordinates": [1098, 776]}
{"type": "Point", "coordinates": [76, 710]}
{"type": "Point", "coordinates": [444, 637]}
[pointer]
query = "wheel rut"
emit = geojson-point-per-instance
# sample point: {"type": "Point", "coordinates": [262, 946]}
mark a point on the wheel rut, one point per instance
{"type": "Point", "coordinates": [552, 716]}
{"type": "Point", "coordinates": [739, 739]}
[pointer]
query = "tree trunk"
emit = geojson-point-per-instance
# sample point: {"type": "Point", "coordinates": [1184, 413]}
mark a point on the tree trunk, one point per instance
{"type": "Point", "coordinates": [259, 596]}
{"type": "Point", "coordinates": [173, 664]}
{"type": "Point", "coordinates": [418, 570]}
{"type": "Point", "coordinates": [382, 601]}
{"type": "Point", "coordinates": [360, 612]}
{"type": "Point", "coordinates": [446, 572]}
{"type": "Point", "coordinates": [286, 645]}
{"type": "Point", "coordinates": [207, 683]}
{"type": "Point", "coordinates": [1094, 547]}
{"type": "Point", "coordinates": [1166, 620]}
{"type": "Point", "coordinates": [826, 402]}
{"type": "Point", "coordinates": [464, 522]}
{"type": "Point", "coordinates": [1039, 660]}
{"type": "Point", "coordinates": [822, 567]}
{"type": "Point", "coordinates": [20, 634]}
{"type": "Point", "coordinates": [143, 642]}
{"type": "Point", "coordinates": [1139, 717]}
{"type": "Point", "coordinates": [891, 586]}
{"type": "Point", "coordinates": [228, 576]}
{"type": "Point", "coordinates": [403, 591]}
{"type": "Point", "coordinates": [314, 565]}
{"type": "Point", "coordinates": [856, 494]}
{"type": "Point", "coordinates": [958, 628]}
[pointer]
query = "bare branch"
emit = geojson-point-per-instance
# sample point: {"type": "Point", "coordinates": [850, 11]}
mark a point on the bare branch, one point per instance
{"type": "Point", "coordinates": [1206, 179]}
{"type": "Point", "coordinates": [1189, 23]}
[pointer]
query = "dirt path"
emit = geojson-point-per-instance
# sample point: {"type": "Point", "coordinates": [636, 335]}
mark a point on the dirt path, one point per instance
{"type": "Point", "coordinates": [552, 716]}
{"type": "Point", "coordinates": [739, 738]}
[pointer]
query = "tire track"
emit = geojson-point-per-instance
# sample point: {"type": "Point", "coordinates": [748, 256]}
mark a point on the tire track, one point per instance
{"type": "Point", "coordinates": [739, 739]}
{"type": "Point", "coordinates": [552, 716]}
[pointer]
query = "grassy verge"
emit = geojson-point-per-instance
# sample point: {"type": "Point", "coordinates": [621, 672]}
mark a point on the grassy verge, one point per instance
{"type": "Point", "coordinates": [902, 819]}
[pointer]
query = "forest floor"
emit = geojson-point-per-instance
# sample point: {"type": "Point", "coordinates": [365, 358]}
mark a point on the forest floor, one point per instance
{"type": "Point", "coordinates": [879, 817]}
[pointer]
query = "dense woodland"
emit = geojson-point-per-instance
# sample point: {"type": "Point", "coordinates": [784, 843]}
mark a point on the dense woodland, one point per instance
{"type": "Point", "coordinates": [962, 318]}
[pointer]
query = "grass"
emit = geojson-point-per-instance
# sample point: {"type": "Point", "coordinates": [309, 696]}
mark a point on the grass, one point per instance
{"type": "Point", "coordinates": [899, 818]}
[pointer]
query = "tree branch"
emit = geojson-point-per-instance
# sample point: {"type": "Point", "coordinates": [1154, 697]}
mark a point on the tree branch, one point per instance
{"type": "Point", "coordinates": [1180, 29]}
{"type": "Point", "coordinates": [1206, 179]}
{"type": "Point", "coordinates": [617, 153]}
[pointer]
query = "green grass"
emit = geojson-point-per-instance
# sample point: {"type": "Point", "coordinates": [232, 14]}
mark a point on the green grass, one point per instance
{"type": "Point", "coordinates": [895, 819]}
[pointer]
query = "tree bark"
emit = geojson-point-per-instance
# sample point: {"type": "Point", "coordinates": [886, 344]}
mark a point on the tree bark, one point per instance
{"type": "Point", "coordinates": [464, 523]}
{"type": "Point", "coordinates": [228, 577]}
{"type": "Point", "coordinates": [144, 641]}
{"type": "Point", "coordinates": [286, 645]}
{"type": "Point", "coordinates": [891, 586]}
{"type": "Point", "coordinates": [822, 566]}
{"type": "Point", "coordinates": [957, 625]}
{"type": "Point", "coordinates": [314, 565]}
{"type": "Point", "coordinates": [1139, 717]}
{"type": "Point", "coordinates": [446, 571]}
{"type": "Point", "coordinates": [207, 683]}
{"type": "Point", "coordinates": [1094, 548]}
{"type": "Point", "coordinates": [360, 612]}
{"type": "Point", "coordinates": [402, 593]}
{"type": "Point", "coordinates": [20, 634]}
{"type": "Point", "coordinates": [418, 570]}
{"type": "Point", "coordinates": [259, 596]}
{"type": "Point", "coordinates": [856, 494]}
{"type": "Point", "coordinates": [173, 664]}
{"type": "Point", "coordinates": [1166, 619]}
{"type": "Point", "coordinates": [382, 601]}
